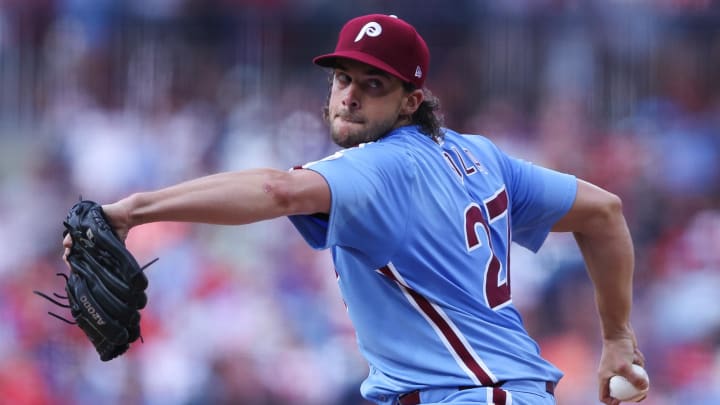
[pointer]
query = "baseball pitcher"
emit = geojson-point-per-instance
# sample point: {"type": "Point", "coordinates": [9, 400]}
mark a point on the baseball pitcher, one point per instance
{"type": "Point", "coordinates": [419, 220]}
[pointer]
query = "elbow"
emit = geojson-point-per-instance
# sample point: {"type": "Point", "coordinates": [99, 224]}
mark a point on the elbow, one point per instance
{"type": "Point", "coordinates": [611, 206]}
{"type": "Point", "coordinates": [594, 210]}
{"type": "Point", "coordinates": [296, 192]}
{"type": "Point", "coordinates": [277, 189]}
{"type": "Point", "coordinates": [606, 215]}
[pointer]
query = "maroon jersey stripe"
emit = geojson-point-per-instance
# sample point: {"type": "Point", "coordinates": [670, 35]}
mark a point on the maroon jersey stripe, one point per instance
{"type": "Point", "coordinates": [456, 343]}
{"type": "Point", "coordinates": [499, 396]}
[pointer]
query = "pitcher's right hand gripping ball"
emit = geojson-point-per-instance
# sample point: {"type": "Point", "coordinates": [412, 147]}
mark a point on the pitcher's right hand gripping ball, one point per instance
{"type": "Point", "coordinates": [106, 286]}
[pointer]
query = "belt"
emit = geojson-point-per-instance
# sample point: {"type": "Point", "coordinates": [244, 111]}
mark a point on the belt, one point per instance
{"type": "Point", "coordinates": [413, 397]}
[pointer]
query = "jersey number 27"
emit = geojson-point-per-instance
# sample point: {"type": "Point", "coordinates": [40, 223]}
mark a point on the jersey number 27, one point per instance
{"type": "Point", "coordinates": [478, 233]}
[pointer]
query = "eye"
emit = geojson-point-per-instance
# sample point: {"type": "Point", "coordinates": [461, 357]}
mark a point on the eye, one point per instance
{"type": "Point", "coordinates": [342, 78]}
{"type": "Point", "coordinates": [374, 83]}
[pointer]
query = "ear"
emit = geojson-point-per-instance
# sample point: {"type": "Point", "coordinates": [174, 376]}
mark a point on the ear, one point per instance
{"type": "Point", "coordinates": [412, 101]}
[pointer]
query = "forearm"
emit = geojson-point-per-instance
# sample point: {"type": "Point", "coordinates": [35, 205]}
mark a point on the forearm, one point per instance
{"type": "Point", "coordinates": [608, 252]}
{"type": "Point", "coordinates": [229, 198]}
{"type": "Point", "coordinates": [596, 219]}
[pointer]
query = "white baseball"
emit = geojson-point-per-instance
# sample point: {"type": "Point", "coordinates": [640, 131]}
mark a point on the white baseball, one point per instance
{"type": "Point", "coordinates": [622, 389]}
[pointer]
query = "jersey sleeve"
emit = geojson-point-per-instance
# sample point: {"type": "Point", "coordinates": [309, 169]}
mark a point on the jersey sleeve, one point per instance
{"type": "Point", "coordinates": [370, 189]}
{"type": "Point", "coordinates": [539, 198]}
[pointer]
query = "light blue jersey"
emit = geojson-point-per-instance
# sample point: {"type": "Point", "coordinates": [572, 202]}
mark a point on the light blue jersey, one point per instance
{"type": "Point", "coordinates": [420, 235]}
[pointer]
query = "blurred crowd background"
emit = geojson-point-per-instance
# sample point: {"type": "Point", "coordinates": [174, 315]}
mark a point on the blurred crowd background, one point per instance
{"type": "Point", "coordinates": [101, 98]}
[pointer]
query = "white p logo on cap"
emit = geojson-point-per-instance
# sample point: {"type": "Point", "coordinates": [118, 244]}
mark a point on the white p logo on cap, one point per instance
{"type": "Point", "coordinates": [384, 42]}
{"type": "Point", "coordinates": [371, 29]}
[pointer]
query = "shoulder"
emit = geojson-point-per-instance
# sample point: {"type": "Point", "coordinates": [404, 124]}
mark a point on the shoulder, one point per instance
{"type": "Point", "coordinates": [400, 145]}
{"type": "Point", "coordinates": [380, 158]}
{"type": "Point", "coordinates": [409, 134]}
{"type": "Point", "coordinates": [475, 139]}
{"type": "Point", "coordinates": [476, 144]}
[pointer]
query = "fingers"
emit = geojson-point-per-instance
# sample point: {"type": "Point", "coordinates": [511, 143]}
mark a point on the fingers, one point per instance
{"type": "Point", "coordinates": [619, 357]}
{"type": "Point", "coordinates": [640, 381]}
{"type": "Point", "coordinates": [605, 397]}
{"type": "Point", "coordinates": [638, 358]}
{"type": "Point", "coordinates": [67, 241]}
{"type": "Point", "coordinates": [635, 376]}
{"type": "Point", "coordinates": [67, 244]}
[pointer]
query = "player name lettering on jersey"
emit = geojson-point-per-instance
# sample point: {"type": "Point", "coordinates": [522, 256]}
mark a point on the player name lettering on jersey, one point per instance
{"type": "Point", "coordinates": [463, 163]}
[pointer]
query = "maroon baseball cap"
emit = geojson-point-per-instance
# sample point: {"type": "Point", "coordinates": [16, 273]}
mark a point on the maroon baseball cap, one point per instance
{"type": "Point", "coordinates": [385, 42]}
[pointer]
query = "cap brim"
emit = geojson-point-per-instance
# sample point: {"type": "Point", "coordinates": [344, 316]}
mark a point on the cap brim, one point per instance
{"type": "Point", "coordinates": [330, 61]}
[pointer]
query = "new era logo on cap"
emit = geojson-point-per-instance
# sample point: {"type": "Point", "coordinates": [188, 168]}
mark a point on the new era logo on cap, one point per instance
{"type": "Point", "coordinates": [385, 42]}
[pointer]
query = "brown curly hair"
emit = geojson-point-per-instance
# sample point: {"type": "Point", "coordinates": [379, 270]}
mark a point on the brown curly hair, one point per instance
{"type": "Point", "coordinates": [428, 116]}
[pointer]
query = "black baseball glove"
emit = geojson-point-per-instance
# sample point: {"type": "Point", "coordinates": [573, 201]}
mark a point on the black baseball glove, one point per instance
{"type": "Point", "coordinates": [106, 286]}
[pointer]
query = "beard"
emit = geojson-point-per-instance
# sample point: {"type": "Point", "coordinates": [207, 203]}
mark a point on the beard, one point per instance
{"type": "Point", "coordinates": [348, 130]}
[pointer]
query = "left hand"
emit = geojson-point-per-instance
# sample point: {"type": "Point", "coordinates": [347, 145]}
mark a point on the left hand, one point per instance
{"type": "Point", "coordinates": [117, 215]}
{"type": "Point", "coordinates": [67, 244]}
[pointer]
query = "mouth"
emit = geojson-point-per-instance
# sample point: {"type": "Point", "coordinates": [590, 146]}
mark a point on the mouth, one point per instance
{"type": "Point", "coordinates": [349, 118]}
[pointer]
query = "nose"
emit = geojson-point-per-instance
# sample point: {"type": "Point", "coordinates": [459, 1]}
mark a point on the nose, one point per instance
{"type": "Point", "coordinates": [350, 97]}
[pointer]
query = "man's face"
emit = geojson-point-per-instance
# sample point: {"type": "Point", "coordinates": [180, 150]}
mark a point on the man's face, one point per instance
{"type": "Point", "coordinates": [365, 103]}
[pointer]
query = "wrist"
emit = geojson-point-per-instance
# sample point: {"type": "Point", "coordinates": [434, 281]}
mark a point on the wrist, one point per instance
{"type": "Point", "coordinates": [131, 205]}
{"type": "Point", "coordinates": [617, 332]}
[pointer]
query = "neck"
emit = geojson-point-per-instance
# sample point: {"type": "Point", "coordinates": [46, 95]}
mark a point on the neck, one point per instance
{"type": "Point", "coordinates": [402, 121]}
